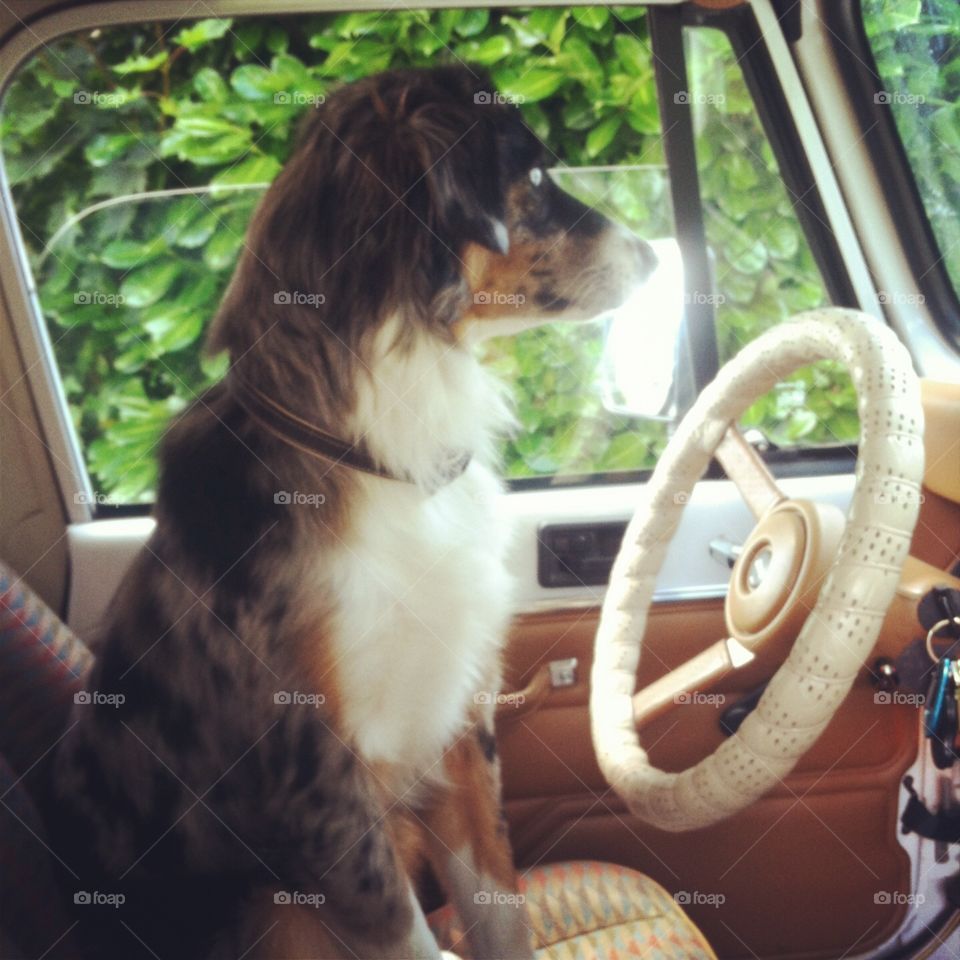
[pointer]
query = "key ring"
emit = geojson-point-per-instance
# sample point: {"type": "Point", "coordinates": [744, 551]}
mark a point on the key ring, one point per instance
{"type": "Point", "coordinates": [939, 625]}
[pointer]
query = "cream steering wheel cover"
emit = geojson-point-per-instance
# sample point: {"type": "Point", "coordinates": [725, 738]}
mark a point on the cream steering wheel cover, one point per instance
{"type": "Point", "coordinates": [843, 626]}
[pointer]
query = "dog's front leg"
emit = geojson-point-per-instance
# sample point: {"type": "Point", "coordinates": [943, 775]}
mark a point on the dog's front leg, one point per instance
{"type": "Point", "coordinates": [268, 930]}
{"type": "Point", "coordinates": [340, 889]}
{"type": "Point", "coordinates": [468, 846]}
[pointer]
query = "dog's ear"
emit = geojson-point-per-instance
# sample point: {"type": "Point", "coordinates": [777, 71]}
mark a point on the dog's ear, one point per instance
{"type": "Point", "coordinates": [467, 196]}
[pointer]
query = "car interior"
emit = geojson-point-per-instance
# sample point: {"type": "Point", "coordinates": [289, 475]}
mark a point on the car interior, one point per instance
{"type": "Point", "coordinates": [728, 721]}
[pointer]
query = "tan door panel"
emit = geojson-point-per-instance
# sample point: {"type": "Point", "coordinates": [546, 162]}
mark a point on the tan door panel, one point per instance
{"type": "Point", "coordinates": [800, 872]}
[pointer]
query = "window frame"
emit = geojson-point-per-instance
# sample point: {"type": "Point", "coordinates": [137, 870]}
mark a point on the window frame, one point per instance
{"type": "Point", "coordinates": [19, 292]}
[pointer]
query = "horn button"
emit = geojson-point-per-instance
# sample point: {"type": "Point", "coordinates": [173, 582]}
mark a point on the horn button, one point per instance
{"type": "Point", "coordinates": [778, 574]}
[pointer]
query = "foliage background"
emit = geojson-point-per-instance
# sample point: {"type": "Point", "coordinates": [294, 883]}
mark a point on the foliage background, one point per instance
{"type": "Point", "coordinates": [127, 291]}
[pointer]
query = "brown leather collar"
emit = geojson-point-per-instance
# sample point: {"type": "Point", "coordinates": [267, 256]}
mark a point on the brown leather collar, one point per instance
{"type": "Point", "coordinates": [310, 439]}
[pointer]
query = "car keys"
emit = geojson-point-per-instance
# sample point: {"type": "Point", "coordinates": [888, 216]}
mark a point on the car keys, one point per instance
{"type": "Point", "coordinates": [942, 706]}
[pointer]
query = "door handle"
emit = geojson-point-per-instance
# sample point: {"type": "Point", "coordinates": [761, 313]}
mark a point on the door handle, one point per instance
{"type": "Point", "coordinates": [548, 676]}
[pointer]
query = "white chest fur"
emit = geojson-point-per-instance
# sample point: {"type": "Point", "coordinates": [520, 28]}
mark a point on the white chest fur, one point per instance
{"type": "Point", "coordinates": [423, 598]}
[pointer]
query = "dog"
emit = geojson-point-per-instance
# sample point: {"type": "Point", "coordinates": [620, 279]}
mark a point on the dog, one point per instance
{"type": "Point", "coordinates": [287, 722]}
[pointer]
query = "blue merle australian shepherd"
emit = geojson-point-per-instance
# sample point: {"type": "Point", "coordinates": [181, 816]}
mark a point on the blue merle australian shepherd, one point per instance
{"type": "Point", "coordinates": [300, 644]}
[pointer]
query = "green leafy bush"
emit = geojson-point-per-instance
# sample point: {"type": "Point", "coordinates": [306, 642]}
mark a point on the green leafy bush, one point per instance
{"type": "Point", "coordinates": [127, 291]}
{"type": "Point", "coordinates": [917, 48]}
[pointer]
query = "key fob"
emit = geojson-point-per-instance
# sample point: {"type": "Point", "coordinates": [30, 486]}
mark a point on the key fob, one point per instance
{"type": "Point", "coordinates": [942, 743]}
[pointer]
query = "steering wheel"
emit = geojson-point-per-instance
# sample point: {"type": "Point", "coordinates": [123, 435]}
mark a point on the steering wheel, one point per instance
{"type": "Point", "coordinates": [803, 577]}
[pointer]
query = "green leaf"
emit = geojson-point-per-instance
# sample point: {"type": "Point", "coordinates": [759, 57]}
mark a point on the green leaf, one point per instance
{"type": "Point", "coordinates": [210, 85]}
{"type": "Point", "coordinates": [594, 18]}
{"type": "Point", "coordinates": [202, 32]}
{"type": "Point", "coordinates": [105, 148]}
{"type": "Point", "coordinates": [253, 82]}
{"type": "Point", "coordinates": [197, 231]}
{"type": "Point", "coordinates": [531, 86]}
{"type": "Point", "coordinates": [536, 119]}
{"type": "Point", "coordinates": [489, 51]}
{"type": "Point", "coordinates": [126, 254]}
{"type": "Point", "coordinates": [800, 424]}
{"type": "Point", "coordinates": [148, 284]}
{"type": "Point", "coordinates": [278, 40]}
{"type": "Point", "coordinates": [782, 239]}
{"type": "Point", "coordinates": [747, 256]}
{"type": "Point", "coordinates": [472, 21]}
{"type": "Point", "coordinates": [547, 24]}
{"type": "Point", "coordinates": [200, 293]}
{"type": "Point", "coordinates": [140, 64]}
{"type": "Point", "coordinates": [632, 55]}
{"type": "Point", "coordinates": [578, 113]}
{"type": "Point", "coordinates": [174, 328]}
{"type": "Point", "coordinates": [578, 59]}
{"type": "Point", "coordinates": [601, 136]}
{"type": "Point", "coordinates": [259, 168]}
{"type": "Point", "coordinates": [221, 251]}
{"type": "Point", "coordinates": [206, 141]}
{"type": "Point", "coordinates": [206, 127]}
{"type": "Point", "coordinates": [627, 451]}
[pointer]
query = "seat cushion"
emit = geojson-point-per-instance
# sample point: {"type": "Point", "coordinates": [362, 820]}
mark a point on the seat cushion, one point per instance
{"type": "Point", "coordinates": [34, 920]}
{"type": "Point", "coordinates": [586, 910]}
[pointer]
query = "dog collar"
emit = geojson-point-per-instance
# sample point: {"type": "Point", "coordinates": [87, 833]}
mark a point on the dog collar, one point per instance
{"type": "Point", "coordinates": [310, 439]}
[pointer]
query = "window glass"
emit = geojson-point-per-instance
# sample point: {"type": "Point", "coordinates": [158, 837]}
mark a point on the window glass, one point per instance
{"type": "Point", "coordinates": [137, 154]}
{"type": "Point", "coordinates": [917, 49]}
{"type": "Point", "coordinates": [764, 269]}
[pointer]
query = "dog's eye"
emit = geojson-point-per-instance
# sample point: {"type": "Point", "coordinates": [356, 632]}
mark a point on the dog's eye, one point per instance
{"type": "Point", "coordinates": [536, 176]}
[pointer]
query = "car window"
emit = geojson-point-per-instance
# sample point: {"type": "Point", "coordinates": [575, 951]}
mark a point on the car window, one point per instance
{"type": "Point", "coordinates": [917, 51]}
{"type": "Point", "coordinates": [764, 269]}
{"type": "Point", "coordinates": [137, 154]}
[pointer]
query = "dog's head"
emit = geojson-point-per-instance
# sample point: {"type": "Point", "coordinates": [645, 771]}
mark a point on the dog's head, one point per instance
{"type": "Point", "coordinates": [421, 194]}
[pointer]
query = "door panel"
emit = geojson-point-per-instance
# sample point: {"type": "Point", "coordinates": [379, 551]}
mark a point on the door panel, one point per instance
{"type": "Point", "coordinates": [819, 848]}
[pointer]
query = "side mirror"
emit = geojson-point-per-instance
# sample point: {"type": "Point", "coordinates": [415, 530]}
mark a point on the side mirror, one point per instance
{"type": "Point", "coordinates": [645, 368]}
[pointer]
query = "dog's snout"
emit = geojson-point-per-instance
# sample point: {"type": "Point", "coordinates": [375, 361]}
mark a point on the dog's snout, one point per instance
{"type": "Point", "coordinates": [638, 257]}
{"type": "Point", "coordinates": [646, 260]}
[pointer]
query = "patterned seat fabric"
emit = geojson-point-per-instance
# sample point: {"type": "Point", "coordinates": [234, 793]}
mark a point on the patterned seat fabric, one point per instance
{"type": "Point", "coordinates": [42, 666]}
{"type": "Point", "coordinates": [584, 910]}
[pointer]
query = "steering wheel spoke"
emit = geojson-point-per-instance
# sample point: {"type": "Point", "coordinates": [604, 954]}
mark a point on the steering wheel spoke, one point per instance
{"type": "Point", "coordinates": [698, 674]}
{"type": "Point", "coordinates": [744, 466]}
